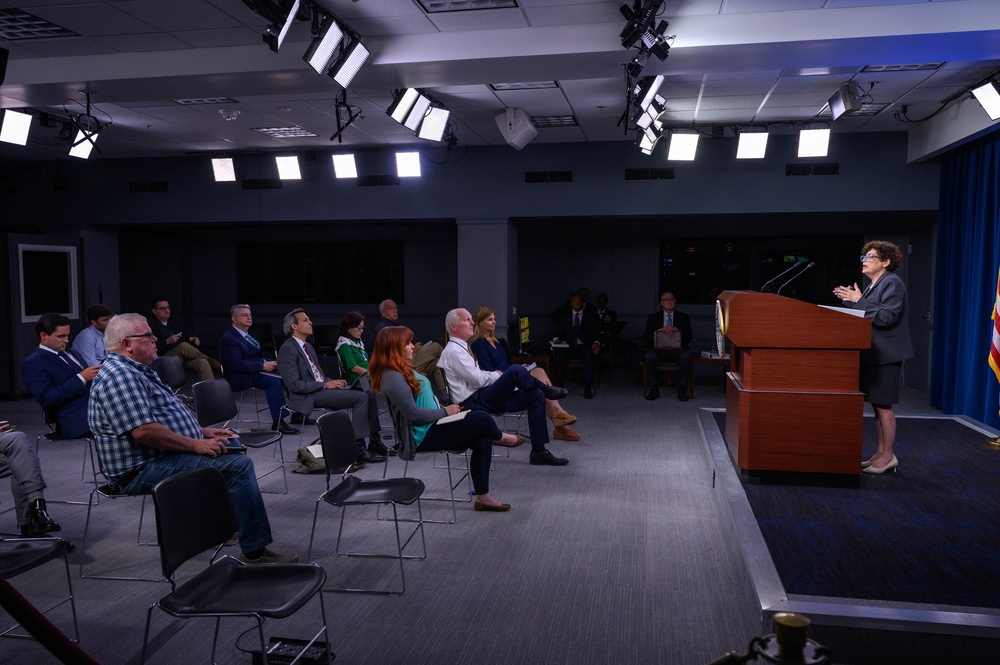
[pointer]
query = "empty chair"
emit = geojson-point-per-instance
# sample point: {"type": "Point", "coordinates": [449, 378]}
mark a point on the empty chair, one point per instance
{"type": "Point", "coordinates": [54, 436]}
{"type": "Point", "coordinates": [19, 555]}
{"type": "Point", "coordinates": [194, 513]}
{"type": "Point", "coordinates": [340, 450]}
{"type": "Point", "coordinates": [109, 491]}
{"type": "Point", "coordinates": [171, 370]}
{"type": "Point", "coordinates": [216, 407]}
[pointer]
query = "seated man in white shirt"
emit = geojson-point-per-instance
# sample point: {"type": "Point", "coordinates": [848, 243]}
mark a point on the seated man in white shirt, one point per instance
{"type": "Point", "coordinates": [513, 389]}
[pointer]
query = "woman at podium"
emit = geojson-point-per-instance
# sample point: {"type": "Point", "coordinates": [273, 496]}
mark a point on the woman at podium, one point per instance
{"type": "Point", "coordinates": [884, 301]}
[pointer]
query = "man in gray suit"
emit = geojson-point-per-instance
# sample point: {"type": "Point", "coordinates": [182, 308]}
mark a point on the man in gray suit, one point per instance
{"type": "Point", "coordinates": [309, 388]}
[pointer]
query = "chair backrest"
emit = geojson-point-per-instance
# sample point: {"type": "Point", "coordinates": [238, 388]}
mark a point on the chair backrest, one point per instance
{"type": "Point", "coordinates": [264, 334]}
{"type": "Point", "coordinates": [336, 434]}
{"type": "Point", "coordinates": [171, 370]}
{"type": "Point", "coordinates": [193, 513]}
{"type": "Point", "coordinates": [325, 336]}
{"type": "Point", "coordinates": [214, 402]}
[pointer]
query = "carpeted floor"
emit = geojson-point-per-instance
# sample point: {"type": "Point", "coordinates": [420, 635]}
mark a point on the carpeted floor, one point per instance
{"type": "Point", "coordinates": [620, 557]}
{"type": "Point", "coordinates": [925, 534]}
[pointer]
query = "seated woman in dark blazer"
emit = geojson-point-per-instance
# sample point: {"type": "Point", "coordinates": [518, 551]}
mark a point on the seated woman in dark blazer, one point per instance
{"type": "Point", "coordinates": [491, 354]}
{"type": "Point", "coordinates": [417, 410]}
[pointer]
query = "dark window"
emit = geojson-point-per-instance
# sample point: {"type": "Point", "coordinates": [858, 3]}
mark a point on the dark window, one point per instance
{"type": "Point", "coordinates": [323, 272]}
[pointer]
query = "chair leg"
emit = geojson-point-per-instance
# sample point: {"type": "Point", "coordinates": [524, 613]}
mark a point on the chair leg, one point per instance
{"type": "Point", "coordinates": [68, 599]}
{"type": "Point", "coordinates": [401, 545]}
{"type": "Point", "coordinates": [451, 499]}
{"type": "Point", "coordinates": [83, 545]}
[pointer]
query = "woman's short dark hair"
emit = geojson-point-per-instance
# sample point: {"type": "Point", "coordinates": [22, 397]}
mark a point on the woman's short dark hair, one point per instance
{"type": "Point", "coordinates": [886, 251]}
{"type": "Point", "coordinates": [351, 320]}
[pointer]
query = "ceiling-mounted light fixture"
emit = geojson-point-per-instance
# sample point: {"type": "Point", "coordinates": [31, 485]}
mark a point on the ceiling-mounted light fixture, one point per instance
{"type": "Point", "coordinates": [352, 57]}
{"type": "Point", "coordinates": [324, 45]}
{"type": "Point", "coordinates": [683, 147]}
{"type": "Point", "coordinates": [409, 107]}
{"type": "Point", "coordinates": [87, 127]}
{"type": "Point", "coordinates": [408, 164]}
{"type": "Point", "coordinates": [988, 95]}
{"type": "Point", "coordinates": [83, 144]}
{"type": "Point", "coordinates": [814, 142]}
{"type": "Point", "coordinates": [345, 166]}
{"type": "Point", "coordinates": [288, 167]}
{"type": "Point", "coordinates": [434, 124]}
{"type": "Point", "coordinates": [648, 138]}
{"type": "Point", "coordinates": [274, 34]}
{"type": "Point", "coordinates": [752, 145]}
{"type": "Point", "coordinates": [15, 127]}
{"type": "Point", "coordinates": [224, 169]}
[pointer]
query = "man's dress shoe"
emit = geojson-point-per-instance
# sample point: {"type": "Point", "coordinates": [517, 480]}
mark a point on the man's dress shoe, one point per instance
{"type": "Point", "coordinates": [283, 427]}
{"type": "Point", "coordinates": [554, 392]}
{"type": "Point", "coordinates": [653, 393]}
{"type": "Point", "coordinates": [547, 458]}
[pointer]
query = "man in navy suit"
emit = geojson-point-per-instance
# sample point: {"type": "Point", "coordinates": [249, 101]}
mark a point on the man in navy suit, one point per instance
{"type": "Point", "coordinates": [244, 365]}
{"type": "Point", "coordinates": [59, 379]}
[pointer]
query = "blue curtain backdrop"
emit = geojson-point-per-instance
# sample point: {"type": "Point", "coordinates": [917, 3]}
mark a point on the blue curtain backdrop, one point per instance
{"type": "Point", "coordinates": [968, 256]}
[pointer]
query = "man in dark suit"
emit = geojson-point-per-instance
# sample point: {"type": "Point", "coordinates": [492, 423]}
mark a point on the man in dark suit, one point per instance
{"type": "Point", "coordinates": [58, 379]}
{"type": "Point", "coordinates": [670, 323]}
{"type": "Point", "coordinates": [309, 387]}
{"type": "Point", "coordinates": [244, 365]}
{"type": "Point", "coordinates": [607, 318]}
{"type": "Point", "coordinates": [580, 329]}
{"type": "Point", "coordinates": [171, 341]}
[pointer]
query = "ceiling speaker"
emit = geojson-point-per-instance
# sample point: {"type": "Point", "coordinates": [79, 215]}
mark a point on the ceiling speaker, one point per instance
{"type": "Point", "coordinates": [847, 99]}
{"type": "Point", "coordinates": [516, 127]}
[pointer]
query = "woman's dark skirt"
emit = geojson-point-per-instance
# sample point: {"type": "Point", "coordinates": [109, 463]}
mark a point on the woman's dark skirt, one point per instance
{"type": "Point", "coordinates": [880, 383]}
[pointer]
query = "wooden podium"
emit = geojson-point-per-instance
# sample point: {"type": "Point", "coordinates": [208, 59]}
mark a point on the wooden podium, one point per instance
{"type": "Point", "coordinates": [792, 400]}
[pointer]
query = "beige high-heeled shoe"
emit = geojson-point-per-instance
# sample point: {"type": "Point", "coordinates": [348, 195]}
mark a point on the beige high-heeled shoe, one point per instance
{"type": "Point", "coordinates": [891, 466]}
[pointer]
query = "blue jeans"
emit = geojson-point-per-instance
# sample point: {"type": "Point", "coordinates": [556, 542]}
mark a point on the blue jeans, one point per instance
{"type": "Point", "coordinates": [241, 481]}
{"type": "Point", "coordinates": [516, 390]}
{"type": "Point", "coordinates": [476, 432]}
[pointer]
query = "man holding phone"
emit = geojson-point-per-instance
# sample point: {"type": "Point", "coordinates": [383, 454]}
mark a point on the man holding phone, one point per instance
{"type": "Point", "coordinates": [171, 341]}
{"type": "Point", "coordinates": [145, 434]}
{"type": "Point", "coordinates": [18, 459]}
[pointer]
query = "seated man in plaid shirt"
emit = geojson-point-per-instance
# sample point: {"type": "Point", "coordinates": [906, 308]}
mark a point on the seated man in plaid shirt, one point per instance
{"type": "Point", "coordinates": [144, 434]}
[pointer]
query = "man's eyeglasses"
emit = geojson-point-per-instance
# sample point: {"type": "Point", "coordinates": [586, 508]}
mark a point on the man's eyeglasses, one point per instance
{"type": "Point", "coordinates": [148, 336]}
{"type": "Point", "coordinates": [868, 257]}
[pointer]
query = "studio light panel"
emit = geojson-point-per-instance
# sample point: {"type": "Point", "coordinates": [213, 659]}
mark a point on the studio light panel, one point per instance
{"type": "Point", "coordinates": [15, 127]}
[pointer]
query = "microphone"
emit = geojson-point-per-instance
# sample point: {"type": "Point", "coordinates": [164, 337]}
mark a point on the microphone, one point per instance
{"type": "Point", "coordinates": [797, 264]}
{"type": "Point", "coordinates": [799, 274]}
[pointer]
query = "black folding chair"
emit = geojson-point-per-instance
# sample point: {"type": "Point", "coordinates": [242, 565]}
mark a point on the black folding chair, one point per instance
{"type": "Point", "coordinates": [216, 407]}
{"type": "Point", "coordinates": [339, 451]}
{"type": "Point", "coordinates": [194, 513]}
{"type": "Point", "coordinates": [19, 555]}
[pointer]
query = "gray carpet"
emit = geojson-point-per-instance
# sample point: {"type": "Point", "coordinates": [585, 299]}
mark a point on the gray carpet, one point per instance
{"type": "Point", "coordinates": [619, 557]}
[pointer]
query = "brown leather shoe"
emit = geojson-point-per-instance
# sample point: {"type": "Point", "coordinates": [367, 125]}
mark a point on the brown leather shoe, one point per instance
{"type": "Point", "coordinates": [562, 419]}
{"type": "Point", "coordinates": [565, 434]}
{"type": "Point", "coordinates": [519, 441]}
{"type": "Point", "coordinates": [502, 508]}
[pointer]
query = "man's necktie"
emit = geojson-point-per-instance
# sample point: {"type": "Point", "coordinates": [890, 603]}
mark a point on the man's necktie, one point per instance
{"type": "Point", "coordinates": [70, 360]}
{"type": "Point", "coordinates": [253, 341]}
{"type": "Point", "coordinates": [670, 318]}
{"type": "Point", "coordinates": [311, 355]}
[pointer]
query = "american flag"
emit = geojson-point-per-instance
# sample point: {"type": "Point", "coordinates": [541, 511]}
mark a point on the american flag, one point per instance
{"type": "Point", "coordinates": [995, 345]}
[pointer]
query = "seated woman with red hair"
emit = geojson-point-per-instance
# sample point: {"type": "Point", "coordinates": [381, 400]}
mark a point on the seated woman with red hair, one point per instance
{"type": "Point", "coordinates": [416, 410]}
